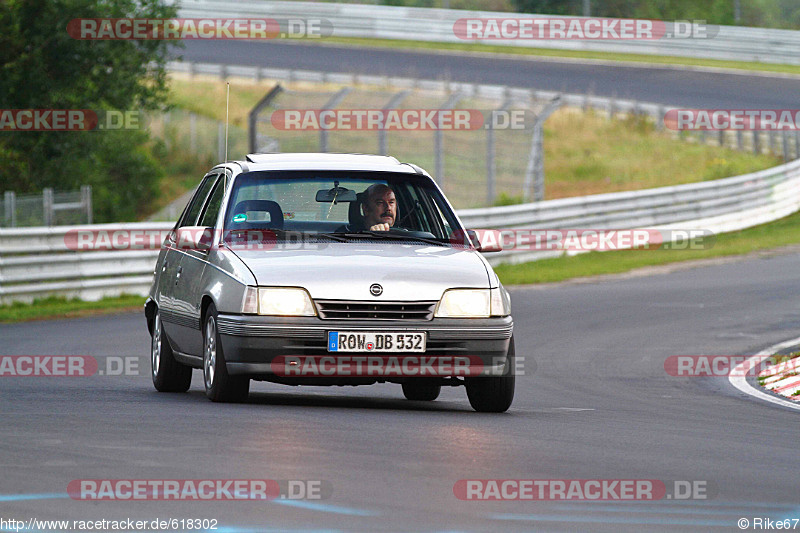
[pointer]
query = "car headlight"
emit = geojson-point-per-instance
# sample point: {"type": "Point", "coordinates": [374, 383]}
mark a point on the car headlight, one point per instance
{"type": "Point", "coordinates": [464, 303]}
{"type": "Point", "coordinates": [473, 303]}
{"type": "Point", "coordinates": [501, 302]}
{"type": "Point", "coordinates": [278, 301]}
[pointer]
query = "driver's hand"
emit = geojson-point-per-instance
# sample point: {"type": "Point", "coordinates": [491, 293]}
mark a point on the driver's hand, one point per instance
{"type": "Point", "coordinates": [379, 227]}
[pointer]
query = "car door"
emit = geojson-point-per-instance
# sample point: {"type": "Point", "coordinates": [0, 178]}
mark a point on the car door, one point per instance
{"type": "Point", "coordinates": [174, 316]}
{"type": "Point", "coordinates": [189, 282]}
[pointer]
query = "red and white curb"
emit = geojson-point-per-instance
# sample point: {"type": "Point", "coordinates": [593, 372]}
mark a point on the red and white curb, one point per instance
{"type": "Point", "coordinates": [738, 379]}
{"type": "Point", "coordinates": [782, 378]}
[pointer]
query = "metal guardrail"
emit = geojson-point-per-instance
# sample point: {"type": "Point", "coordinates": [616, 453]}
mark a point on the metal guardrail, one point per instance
{"type": "Point", "coordinates": [425, 24]}
{"type": "Point", "coordinates": [718, 206]}
{"type": "Point", "coordinates": [36, 262]}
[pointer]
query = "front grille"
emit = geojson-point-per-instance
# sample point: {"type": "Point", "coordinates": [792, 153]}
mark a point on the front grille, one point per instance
{"type": "Point", "coordinates": [350, 310]}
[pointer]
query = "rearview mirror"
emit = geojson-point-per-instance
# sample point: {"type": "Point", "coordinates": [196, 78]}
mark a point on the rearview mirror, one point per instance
{"type": "Point", "coordinates": [336, 195]}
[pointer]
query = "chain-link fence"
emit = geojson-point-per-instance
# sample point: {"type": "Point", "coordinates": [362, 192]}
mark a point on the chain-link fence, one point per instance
{"type": "Point", "coordinates": [183, 131]}
{"type": "Point", "coordinates": [474, 165]}
{"type": "Point", "coordinates": [49, 208]}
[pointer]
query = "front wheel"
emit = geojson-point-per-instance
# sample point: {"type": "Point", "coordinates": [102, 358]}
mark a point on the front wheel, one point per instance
{"type": "Point", "coordinates": [168, 374]}
{"type": "Point", "coordinates": [220, 386]}
{"type": "Point", "coordinates": [493, 394]}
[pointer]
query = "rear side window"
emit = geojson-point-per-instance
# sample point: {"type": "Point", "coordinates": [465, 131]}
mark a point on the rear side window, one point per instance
{"type": "Point", "coordinates": [209, 217]}
{"type": "Point", "coordinates": [199, 198]}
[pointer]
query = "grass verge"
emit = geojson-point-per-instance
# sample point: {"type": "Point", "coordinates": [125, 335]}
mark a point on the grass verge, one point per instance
{"type": "Point", "coordinates": [58, 307]}
{"type": "Point", "coordinates": [588, 153]}
{"type": "Point", "coordinates": [783, 232]}
{"type": "Point", "coordinates": [208, 98]}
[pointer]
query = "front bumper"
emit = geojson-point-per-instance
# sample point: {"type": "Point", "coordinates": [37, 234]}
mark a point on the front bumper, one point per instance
{"type": "Point", "coordinates": [251, 343]}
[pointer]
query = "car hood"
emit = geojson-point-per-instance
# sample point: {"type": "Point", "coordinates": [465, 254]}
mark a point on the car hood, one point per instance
{"type": "Point", "coordinates": [345, 271]}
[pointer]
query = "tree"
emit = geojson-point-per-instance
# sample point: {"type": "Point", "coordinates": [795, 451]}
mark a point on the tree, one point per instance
{"type": "Point", "coordinates": [44, 68]}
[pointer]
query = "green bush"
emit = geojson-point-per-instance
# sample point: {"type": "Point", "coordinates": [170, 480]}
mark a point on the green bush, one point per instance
{"type": "Point", "coordinates": [507, 199]}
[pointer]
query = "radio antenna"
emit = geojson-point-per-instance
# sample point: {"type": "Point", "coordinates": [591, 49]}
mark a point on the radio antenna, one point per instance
{"type": "Point", "coordinates": [227, 106]}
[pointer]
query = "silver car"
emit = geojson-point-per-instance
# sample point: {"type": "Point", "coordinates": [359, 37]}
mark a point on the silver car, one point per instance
{"type": "Point", "coordinates": [328, 269]}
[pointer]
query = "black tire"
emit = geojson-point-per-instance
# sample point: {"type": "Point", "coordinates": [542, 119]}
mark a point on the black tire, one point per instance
{"type": "Point", "coordinates": [421, 390]}
{"type": "Point", "coordinates": [220, 386]}
{"type": "Point", "coordinates": [168, 374]}
{"type": "Point", "coordinates": [493, 394]}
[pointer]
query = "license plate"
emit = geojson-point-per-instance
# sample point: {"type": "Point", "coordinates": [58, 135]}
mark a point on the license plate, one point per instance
{"type": "Point", "coordinates": [372, 341]}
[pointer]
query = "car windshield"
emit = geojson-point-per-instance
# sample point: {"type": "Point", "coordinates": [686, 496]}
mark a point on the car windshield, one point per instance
{"type": "Point", "coordinates": [333, 205]}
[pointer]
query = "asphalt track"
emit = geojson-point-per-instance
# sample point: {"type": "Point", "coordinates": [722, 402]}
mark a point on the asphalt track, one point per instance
{"type": "Point", "coordinates": [594, 403]}
{"type": "Point", "coordinates": [669, 86]}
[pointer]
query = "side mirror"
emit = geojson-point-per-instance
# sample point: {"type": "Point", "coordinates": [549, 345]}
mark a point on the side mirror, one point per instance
{"type": "Point", "coordinates": [489, 240]}
{"type": "Point", "coordinates": [194, 238]}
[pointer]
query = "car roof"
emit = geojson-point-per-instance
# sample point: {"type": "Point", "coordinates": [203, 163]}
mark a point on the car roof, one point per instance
{"type": "Point", "coordinates": [327, 161]}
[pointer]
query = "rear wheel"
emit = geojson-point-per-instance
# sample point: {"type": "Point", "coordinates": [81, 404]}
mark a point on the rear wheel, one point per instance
{"type": "Point", "coordinates": [421, 390]}
{"type": "Point", "coordinates": [168, 374]}
{"type": "Point", "coordinates": [493, 394]}
{"type": "Point", "coordinates": [220, 386]}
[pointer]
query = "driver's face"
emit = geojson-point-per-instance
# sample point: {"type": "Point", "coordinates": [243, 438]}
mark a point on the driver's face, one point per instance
{"type": "Point", "coordinates": [380, 209]}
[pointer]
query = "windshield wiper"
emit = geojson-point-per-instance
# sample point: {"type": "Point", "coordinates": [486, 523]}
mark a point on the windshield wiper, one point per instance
{"type": "Point", "coordinates": [340, 237]}
{"type": "Point", "coordinates": [391, 236]}
{"type": "Point", "coordinates": [270, 234]}
{"type": "Point", "coordinates": [280, 234]}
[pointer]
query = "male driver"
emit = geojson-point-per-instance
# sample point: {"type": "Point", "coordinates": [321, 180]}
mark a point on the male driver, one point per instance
{"type": "Point", "coordinates": [379, 207]}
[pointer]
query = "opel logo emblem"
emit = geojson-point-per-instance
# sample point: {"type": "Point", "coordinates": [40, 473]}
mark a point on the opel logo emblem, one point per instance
{"type": "Point", "coordinates": [375, 289]}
